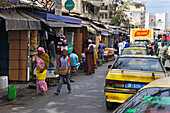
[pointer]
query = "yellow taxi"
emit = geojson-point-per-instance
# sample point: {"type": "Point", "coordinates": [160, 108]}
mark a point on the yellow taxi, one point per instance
{"type": "Point", "coordinates": [153, 98]}
{"type": "Point", "coordinates": [134, 51]}
{"type": "Point", "coordinates": [130, 73]}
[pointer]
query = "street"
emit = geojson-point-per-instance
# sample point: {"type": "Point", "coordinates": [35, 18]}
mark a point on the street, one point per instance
{"type": "Point", "coordinates": [87, 97]}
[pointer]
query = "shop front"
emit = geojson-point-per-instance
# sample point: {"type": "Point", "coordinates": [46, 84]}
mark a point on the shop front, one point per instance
{"type": "Point", "coordinates": [18, 33]}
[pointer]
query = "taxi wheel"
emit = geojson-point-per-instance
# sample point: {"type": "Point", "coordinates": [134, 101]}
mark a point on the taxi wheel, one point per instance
{"type": "Point", "coordinates": [109, 105]}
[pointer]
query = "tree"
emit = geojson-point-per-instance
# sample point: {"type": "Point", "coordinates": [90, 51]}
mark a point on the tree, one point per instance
{"type": "Point", "coordinates": [118, 17]}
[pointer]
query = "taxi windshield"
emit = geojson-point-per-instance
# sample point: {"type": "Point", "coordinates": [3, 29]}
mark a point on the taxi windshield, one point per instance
{"type": "Point", "coordinates": [138, 63]}
{"type": "Point", "coordinates": [134, 52]}
{"type": "Point", "coordinates": [149, 100]}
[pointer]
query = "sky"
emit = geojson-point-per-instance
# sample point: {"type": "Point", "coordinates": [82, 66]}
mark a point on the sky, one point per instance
{"type": "Point", "coordinates": [158, 6]}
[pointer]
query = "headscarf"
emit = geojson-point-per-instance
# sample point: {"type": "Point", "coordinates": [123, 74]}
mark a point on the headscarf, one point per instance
{"type": "Point", "coordinates": [41, 49]}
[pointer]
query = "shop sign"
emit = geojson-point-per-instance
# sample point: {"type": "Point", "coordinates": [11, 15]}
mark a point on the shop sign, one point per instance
{"type": "Point", "coordinates": [142, 33]}
{"type": "Point", "coordinates": [70, 48]}
{"type": "Point", "coordinates": [69, 5]}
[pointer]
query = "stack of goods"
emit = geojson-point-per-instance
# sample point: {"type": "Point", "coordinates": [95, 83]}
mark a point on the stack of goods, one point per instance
{"type": "Point", "coordinates": [110, 55]}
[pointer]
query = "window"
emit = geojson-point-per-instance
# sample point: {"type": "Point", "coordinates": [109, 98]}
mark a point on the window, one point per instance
{"type": "Point", "coordinates": [101, 15]}
{"type": "Point", "coordinates": [140, 64]}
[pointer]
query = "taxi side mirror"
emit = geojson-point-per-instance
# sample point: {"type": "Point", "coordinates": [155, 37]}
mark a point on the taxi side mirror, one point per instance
{"type": "Point", "coordinates": [109, 66]}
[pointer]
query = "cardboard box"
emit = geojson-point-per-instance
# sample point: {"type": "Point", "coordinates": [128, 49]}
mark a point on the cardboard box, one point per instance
{"type": "Point", "coordinates": [61, 71]}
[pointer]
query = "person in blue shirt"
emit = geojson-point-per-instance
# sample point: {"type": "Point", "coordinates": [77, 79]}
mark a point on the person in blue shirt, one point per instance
{"type": "Point", "coordinates": [64, 61]}
{"type": "Point", "coordinates": [101, 50]}
{"type": "Point", "coordinates": [165, 44]}
{"type": "Point", "coordinates": [127, 44]}
{"type": "Point", "coordinates": [74, 59]}
{"type": "Point", "coordinates": [156, 45]}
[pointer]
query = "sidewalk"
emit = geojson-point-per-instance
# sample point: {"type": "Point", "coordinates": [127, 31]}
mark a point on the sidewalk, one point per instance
{"type": "Point", "coordinates": [19, 87]}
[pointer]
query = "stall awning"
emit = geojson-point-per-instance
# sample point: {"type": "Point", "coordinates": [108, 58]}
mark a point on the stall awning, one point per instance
{"type": "Point", "coordinates": [18, 20]}
{"type": "Point", "coordinates": [56, 18]}
{"type": "Point", "coordinates": [91, 30]}
{"type": "Point", "coordinates": [61, 24]}
{"type": "Point", "coordinates": [55, 24]}
{"type": "Point", "coordinates": [105, 33]}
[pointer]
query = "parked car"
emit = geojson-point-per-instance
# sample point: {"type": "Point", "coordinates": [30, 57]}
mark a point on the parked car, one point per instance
{"type": "Point", "coordinates": [153, 98]}
{"type": "Point", "coordinates": [134, 51]}
{"type": "Point", "coordinates": [128, 74]}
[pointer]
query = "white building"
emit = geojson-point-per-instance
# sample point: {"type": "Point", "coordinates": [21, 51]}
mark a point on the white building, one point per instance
{"type": "Point", "coordinates": [156, 21]}
{"type": "Point", "coordinates": [136, 14]}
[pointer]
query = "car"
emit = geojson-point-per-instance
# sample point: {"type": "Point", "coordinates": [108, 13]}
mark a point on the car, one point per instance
{"type": "Point", "coordinates": [147, 43]}
{"type": "Point", "coordinates": [128, 74]}
{"type": "Point", "coordinates": [153, 98]}
{"type": "Point", "coordinates": [134, 51]}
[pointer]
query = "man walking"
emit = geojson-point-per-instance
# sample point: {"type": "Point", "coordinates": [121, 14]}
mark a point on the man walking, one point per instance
{"type": "Point", "coordinates": [64, 62]}
{"type": "Point", "coordinates": [121, 47]}
{"type": "Point", "coordinates": [162, 53]}
{"type": "Point", "coordinates": [52, 53]}
{"type": "Point", "coordinates": [101, 50]}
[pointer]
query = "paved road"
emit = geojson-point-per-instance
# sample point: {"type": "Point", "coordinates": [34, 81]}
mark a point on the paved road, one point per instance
{"type": "Point", "coordinates": [87, 97]}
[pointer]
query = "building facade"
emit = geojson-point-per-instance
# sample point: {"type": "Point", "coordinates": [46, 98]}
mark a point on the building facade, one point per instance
{"type": "Point", "coordinates": [136, 14]}
{"type": "Point", "coordinates": [156, 21]}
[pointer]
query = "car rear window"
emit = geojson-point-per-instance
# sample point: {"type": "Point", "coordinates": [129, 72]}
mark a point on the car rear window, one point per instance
{"type": "Point", "coordinates": [134, 52]}
{"type": "Point", "coordinates": [146, 42]}
{"type": "Point", "coordinates": [141, 64]}
{"type": "Point", "coordinates": [149, 100]}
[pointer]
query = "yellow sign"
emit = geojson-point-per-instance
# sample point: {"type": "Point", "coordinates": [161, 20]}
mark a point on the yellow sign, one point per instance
{"type": "Point", "coordinates": [142, 33]}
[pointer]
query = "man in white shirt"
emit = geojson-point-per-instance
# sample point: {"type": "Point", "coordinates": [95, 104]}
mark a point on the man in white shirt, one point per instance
{"type": "Point", "coordinates": [121, 47]}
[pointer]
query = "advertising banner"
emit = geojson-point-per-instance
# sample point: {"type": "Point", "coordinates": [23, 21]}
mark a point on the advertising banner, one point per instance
{"type": "Point", "coordinates": [142, 33]}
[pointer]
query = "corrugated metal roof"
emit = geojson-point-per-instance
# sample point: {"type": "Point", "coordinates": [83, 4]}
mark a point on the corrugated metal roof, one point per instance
{"type": "Point", "coordinates": [18, 20]}
{"type": "Point", "coordinates": [10, 5]}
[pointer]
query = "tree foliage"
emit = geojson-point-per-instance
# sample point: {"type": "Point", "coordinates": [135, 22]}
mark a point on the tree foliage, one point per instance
{"type": "Point", "coordinates": [118, 17]}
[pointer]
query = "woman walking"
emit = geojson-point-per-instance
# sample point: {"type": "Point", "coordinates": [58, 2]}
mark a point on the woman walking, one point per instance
{"type": "Point", "coordinates": [42, 63]}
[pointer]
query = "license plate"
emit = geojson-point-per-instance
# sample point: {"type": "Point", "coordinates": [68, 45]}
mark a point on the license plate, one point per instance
{"type": "Point", "coordinates": [135, 86]}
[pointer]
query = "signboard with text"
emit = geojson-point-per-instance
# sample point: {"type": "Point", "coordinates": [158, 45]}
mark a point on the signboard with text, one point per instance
{"type": "Point", "coordinates": [142, 33]}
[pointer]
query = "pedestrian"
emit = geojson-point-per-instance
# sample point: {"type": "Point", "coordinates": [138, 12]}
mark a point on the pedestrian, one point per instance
{"type": "Point", "coordinates": [101, 48]}
{"type": "Point", "coordinates": [121, 47]}
{"type": "Point", "coordinates": [168, 53]}
{"type": "Point", "coordinates": [124, 42]}
{"type": "Point", "coordinates": [64, 62]}
{"type": "Point", "coordinates": [52, 54]}
{"type": "Point", "coordinates": [95, 55]}
{"type": "Point", "coordinates": [74, 60]}
{"type": "Point", "coordinates": [89, 62]}
{"type": "Point", "coordinates": [162, 53]}
{"type": "Point", "coordinates": [42, 63]}
{"type": "Point", "coordinates": [156, 45]}
{"type": "Point", "coordinates": [127, 44]}
{"type": "Point", "coordinates": [116, 47]}
{"type": "Point", "coordinates": [159, 42]}
{"type": "Point", "coordinates": [165, 44]}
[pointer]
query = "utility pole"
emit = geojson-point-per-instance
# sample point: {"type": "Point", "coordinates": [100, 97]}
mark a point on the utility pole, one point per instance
{"type": "Point", "coordinates": [108, 13]}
